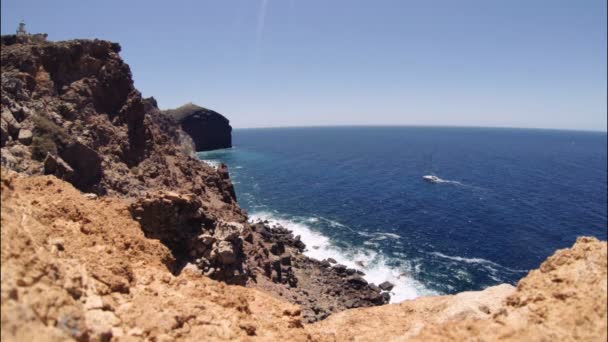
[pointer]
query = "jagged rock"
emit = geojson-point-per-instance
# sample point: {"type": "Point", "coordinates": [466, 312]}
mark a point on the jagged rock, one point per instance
{"type": "Point", "coordinates": [12, 124]}
{"type": "Point", "coordinates": [54, 165]}
{"type": "Point", "coordinates": [7, 159]}
{"type": "Point", "coordinates": [357, 282]}
{"type": "Point", "coordinates": [225, 251]}
{"type": "Point", "coordinates": [386, 286]}
{"type": "Point", "coordinates": [4, 136]}
{"type": "Point", "coordinates": [85, 162]}
{"type": "Point", "coordinates": [180, 222]}
{"type": "Point", "coordinates": [319, 288]}
{"type": "Point", "coordinates": [207, 239]}
{"type": "Point", "coordinates": [277, 248]}
{"type": "Point", "coordinates": [25, 136]}
{"type": "Point", "coordinates": [286, 259]}
{"type": "Point", "coordinates": [340, 268]}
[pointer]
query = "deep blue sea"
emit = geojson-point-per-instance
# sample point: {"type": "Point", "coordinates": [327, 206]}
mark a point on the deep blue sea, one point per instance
{"type": "Point", "coordinates": [507, 200]}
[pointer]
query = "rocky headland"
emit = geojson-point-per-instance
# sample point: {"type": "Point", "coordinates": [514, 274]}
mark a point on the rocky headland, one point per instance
{"type": "Point", "coordinates": [69, 109]}
{"type": "Point", "coordinates": [208, 129]}
{"type": "Point", "coordinates": [113, 230]}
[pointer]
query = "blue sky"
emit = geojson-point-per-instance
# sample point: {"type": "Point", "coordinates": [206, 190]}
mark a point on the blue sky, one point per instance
{"type": "Point", "coordinates": [267, 63]}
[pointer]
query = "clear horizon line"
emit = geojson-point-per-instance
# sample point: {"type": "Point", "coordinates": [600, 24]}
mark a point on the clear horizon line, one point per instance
{"type": "Point", "coordinates": [426, 126]}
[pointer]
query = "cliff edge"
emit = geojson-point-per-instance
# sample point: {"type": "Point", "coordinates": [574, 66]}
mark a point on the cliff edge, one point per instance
{"type": "Point", "coordinates": [208, 129]}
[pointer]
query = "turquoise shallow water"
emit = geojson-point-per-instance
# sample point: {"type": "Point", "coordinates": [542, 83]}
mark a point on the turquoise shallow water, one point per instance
{"type": "Point", "coordinates": [509, 198]}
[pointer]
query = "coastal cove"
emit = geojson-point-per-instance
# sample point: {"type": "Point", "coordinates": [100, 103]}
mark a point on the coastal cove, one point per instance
{"type": "Point", "coordinates": [356, 194]}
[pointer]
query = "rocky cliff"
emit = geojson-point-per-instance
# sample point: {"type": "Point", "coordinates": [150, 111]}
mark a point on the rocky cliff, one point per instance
{"type": "Point", "coordinates": [69, 109]}
{"type": "Point", "coordinates": [208, 129]}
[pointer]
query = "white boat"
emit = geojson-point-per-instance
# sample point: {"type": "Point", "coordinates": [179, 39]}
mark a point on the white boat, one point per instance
{"type": "Point", "coordinates": [431, 178]}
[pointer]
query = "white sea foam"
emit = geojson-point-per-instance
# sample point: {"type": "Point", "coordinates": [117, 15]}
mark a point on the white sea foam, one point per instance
{"type": "Point", "coordinates": [373, 264]}
{"type": "Point", "coordinates": [441, 180]}
{"type": "Point", "coordinates": [486, 263]}
{"type": "Point", "coordinates": [212, 162]}
{"type": "Point", "coordinates": [388, 235]}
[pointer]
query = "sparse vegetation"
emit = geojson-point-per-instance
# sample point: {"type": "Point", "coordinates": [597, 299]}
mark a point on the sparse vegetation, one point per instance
{"type": "Point", "coordinates": [183, 111]}
{"type": "Point", "coordinates": [47, 137]}
{"type": "Point", "coordinates": [41, 145]}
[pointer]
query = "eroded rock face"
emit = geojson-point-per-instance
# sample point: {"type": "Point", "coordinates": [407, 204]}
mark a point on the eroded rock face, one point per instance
{"type": "Point", "coordinates": [80, 269]}
{"type": "Point", "coordinates": [181, 223]}
{"type": "Point", "coordinates": [76, 100]}
{"type": "Point", "coordinates": [209, 129]}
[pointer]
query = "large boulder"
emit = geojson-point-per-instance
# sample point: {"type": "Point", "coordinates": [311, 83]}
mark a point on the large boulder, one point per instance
{"type": "Point", "coordinates": [85, 162]}
{"type": "Point", "coordinates": [54, 165]}
{"type": "Point", "coordinates": [11, 124]}
{"type": "Point", "coordinates": [25, 136]}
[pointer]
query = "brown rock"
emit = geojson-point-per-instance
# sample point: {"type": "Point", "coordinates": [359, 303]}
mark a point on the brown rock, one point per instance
{"type": "Point", "coordinates": [53, 165]}
{"type": "Point", "coordinates": [25, 136]}
{"type": "Point", "coordinates": [11, 124]}
{"type": "Point", "coordinates": [386, 286]}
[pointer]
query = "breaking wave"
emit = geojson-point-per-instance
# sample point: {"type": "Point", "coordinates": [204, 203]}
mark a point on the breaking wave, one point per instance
{"type": "Point", "coordinates": [372, 263]}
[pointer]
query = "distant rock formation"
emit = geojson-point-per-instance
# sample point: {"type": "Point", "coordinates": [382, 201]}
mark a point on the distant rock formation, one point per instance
{"type": "Point", "coordinates": [208, 129]}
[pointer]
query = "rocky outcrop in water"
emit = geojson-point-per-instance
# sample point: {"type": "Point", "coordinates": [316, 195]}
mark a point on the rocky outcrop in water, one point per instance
{"type": "Point", "coordinates": [208, 129]}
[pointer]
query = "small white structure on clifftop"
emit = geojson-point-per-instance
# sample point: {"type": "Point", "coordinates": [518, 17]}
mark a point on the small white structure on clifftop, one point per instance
{"type": "Point", "coordinates": [21, 30]}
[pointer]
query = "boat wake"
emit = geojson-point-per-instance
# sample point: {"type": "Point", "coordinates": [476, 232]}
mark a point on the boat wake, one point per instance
{"type": "Point", "coordinates": [435, 179]}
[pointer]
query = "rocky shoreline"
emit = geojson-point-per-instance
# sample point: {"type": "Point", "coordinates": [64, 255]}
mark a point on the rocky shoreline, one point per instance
{"type": "Point", "coordinates": [319, 287]}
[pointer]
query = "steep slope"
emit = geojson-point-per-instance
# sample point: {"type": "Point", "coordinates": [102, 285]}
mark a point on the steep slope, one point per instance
{"type": "Point", "coordinates": [70, 109]}
{"type": "Point", "coordinates": [79, 268]}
